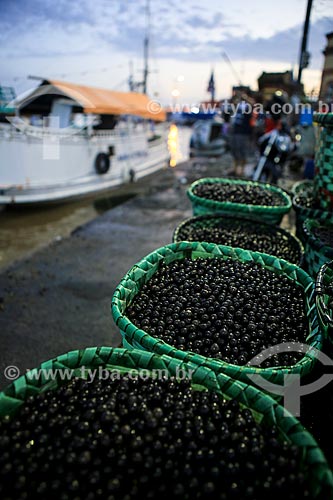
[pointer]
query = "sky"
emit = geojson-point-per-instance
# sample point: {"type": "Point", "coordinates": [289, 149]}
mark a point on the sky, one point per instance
{"type": "Point", "coordinates": [96, 42]}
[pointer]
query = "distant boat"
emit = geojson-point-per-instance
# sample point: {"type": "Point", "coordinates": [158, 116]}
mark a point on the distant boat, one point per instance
{"type": "Point", "coordinates": [207, 139]}
{"type": "Point", "coordinates": [68, 141]}
{"type": "Point", "coordinates": [189, 118]}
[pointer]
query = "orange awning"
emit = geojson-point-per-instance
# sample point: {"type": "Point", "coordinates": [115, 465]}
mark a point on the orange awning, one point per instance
{"type": "Point", "coordinates": [102, 101]}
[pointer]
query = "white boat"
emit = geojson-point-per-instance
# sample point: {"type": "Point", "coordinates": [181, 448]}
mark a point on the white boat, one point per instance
{"type": "Point", "coordinates": [85, 141]}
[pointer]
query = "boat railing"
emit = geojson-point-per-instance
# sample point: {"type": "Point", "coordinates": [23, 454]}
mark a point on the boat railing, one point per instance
{"type": "Point", "coordinates": [21, 129]}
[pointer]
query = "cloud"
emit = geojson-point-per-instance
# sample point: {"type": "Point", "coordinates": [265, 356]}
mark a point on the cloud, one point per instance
{"type": "Point", "coordinates": [60, 11]}
{"type": "Point", "coordinates": [207, 45]}
{"type": "Point", "coordinates": [283, 46]}
{"type": "Point", "coordinates": [190, 32]}
{"type": "Point", "coordinates": [197, 21]}
{"type": "Point", "coordinates": [201, 36]}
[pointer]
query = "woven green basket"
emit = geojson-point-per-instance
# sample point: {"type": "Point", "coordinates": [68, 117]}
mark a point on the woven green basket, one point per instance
{"type": "Point", "coordinates": [261, 213]}
{"type": "Point", "coordinates": [304, 211]}
{"type": "Point", "coordinates": [323, 180]}
{"type": "Point", "coordinates": [259, 235]}
{"type": "Point", "coordinates": [147, 267]}
{"type": "Point", "coordinates": [265, 410]}
{"type": "Point", "coordinates": [302, 187]}
{"type": "Point", "coordinates": [316, 253]}
{"type": "Point", "coordinates": [323, 118]}
{"type": "Point", "coordinates": [324, 301]}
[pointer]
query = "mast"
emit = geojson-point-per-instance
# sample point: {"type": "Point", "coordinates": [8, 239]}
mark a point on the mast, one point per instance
{"type": "Point", "coordinates": [142, 84]}
{"type": "Point", "coordinates": [131, 83]}
{"type": "Point", "coordinates": [304, 55]}
{"type": "Point", "coordinates": [146, 48]}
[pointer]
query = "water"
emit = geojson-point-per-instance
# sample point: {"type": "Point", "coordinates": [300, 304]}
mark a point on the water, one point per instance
{"type": "Point", "coordinates": [23, 231]}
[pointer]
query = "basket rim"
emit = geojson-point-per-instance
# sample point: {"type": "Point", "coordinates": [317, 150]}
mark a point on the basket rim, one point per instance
{"type": "Point", "coordinates": [323, 310]}
{"type": "Point", "coordinates": [222, 204]}
{"type": "Point", "coordinates": [312, 212]}
{"type": "Point", "coordinates": [291, 237]}
{"type": "Point", "coordinates": [313, 240]}
{"type": "Point", "coordinates": [122, 321]}
{"type": "Point", "coordinates": [302, 185]}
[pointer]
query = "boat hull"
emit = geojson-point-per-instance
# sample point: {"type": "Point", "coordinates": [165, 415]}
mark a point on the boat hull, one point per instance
{"type": "Point", "coordinates": [59, 169]}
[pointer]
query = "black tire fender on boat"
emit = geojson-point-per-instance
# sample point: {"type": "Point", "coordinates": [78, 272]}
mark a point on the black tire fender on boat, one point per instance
{"type": "Point", "coordinates": [102, 163]}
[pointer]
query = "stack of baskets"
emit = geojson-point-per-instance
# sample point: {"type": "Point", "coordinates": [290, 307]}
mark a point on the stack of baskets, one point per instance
{"type": "Point", "coordinates": [144, 352]}
{"type": "Point", "coordinates": [323, 181]}
{"type": "Point", "coordinates": [209, 213]}
{"type": "Point", "coordinates": [314, 200]}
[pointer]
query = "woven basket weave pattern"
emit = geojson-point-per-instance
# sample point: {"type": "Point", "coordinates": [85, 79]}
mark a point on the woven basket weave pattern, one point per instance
{"type": "Point", "coordinates": [323, 180]}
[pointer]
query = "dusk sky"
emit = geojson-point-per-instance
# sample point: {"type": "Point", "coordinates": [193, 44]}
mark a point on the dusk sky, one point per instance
{"type": "Point", "coordinates": [93, 42]}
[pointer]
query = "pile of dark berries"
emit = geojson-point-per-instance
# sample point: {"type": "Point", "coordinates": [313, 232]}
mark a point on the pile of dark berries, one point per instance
{"type": "Point", "coordinates": [250, 235]}
{"type": "Point", "coordinates": [249, 194]}
{"type": "Point", "coordinates": [306, 200]}
{"type": "Point", "coordinates": [224, 309]}
{"type": "Point", "coordinates": [324, 234]}
{"type": "Point", "coordinates": [133, 438]}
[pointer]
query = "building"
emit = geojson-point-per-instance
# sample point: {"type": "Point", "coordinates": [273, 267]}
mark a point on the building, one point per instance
{"type": "Point", "coordinates": [270, 83]}
{"type": "Point", "coordinates": [326, 88]}
{"type": "Point", "coordinates": [239, 90]}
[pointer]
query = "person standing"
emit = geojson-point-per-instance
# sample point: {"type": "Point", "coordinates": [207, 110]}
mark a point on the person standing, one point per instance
{"type": "Point", "coordinates": [240, 136]}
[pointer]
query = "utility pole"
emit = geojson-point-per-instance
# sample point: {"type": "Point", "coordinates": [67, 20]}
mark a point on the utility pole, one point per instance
{"type": "Point", "coordinates": [146, 48]}
{"type": "Point", "coordinates": [304, 54]}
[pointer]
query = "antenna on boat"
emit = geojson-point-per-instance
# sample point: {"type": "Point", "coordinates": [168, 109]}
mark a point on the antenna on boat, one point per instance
{"type": "Point", "coordinates": [146, 48]}
{"type": "Point", "coordinates": [142, 84]}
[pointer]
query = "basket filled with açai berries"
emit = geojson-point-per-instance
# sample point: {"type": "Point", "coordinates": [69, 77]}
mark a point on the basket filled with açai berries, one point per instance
{"type": "Point", "coordinates": [235, 311]}
{"type": "Point", "coordinates": [242, 233]}
{"type": "Point", "coordinates": [255, 200]}
{"type": "Point", "coordinates": [131, 424]}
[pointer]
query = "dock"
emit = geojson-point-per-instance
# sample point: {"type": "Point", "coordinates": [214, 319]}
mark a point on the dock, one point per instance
{"type": "Point", "coordinates": [59, 298]}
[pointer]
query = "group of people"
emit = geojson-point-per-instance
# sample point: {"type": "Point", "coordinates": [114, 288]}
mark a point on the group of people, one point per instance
{"type": "Point", "coordinates": [249, 133]}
